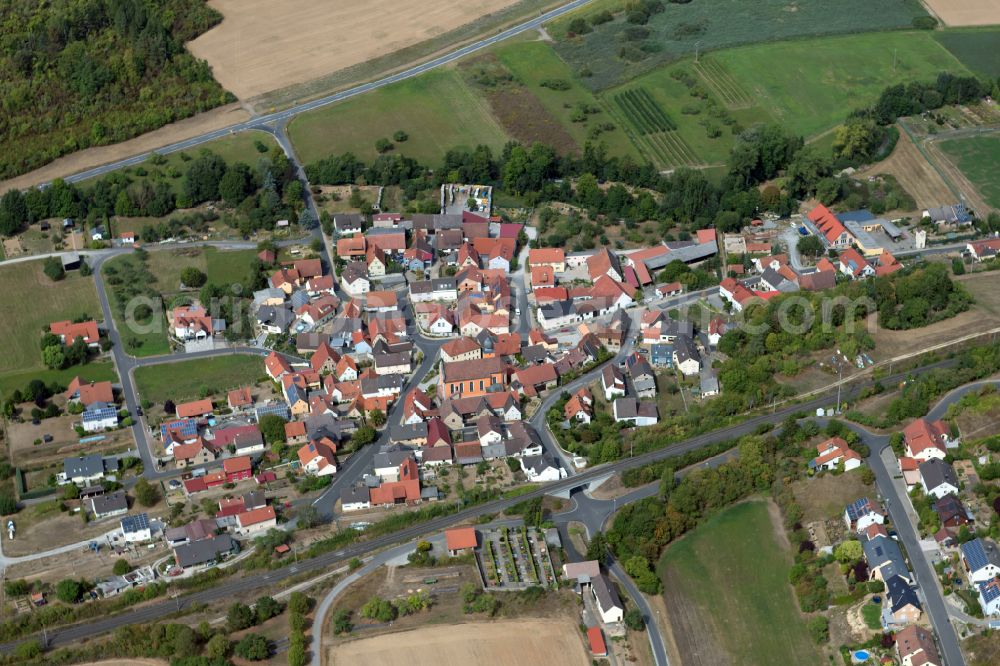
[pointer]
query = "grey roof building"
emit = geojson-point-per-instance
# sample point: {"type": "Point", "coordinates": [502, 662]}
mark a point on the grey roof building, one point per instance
{"type": "Point", "coordinates": [607, 595]}
{"type": "Point", "coordinates": [204, 551]}
{"type": "Point", "coordinates": [937, 475]}
{"type": "Point", "coordinates": [883, 554]}
{"type": "Point", "coordinates": [112, 504]}
{"type": "Point", "coordinates": [89, 467]}
{"type": "Point", "coordinates": [358, 494]}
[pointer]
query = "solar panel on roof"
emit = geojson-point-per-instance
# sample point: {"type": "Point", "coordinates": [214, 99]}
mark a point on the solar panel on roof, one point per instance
{"type": "Point", "coordinates": [135, 523]}
{"type": "Point", "coordinates": [975, 554]}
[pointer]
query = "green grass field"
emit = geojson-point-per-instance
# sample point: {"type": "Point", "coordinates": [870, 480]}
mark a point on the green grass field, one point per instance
{"type": "Point", "coordinates": [188, 380]}
{"type": "Point", "coordinates": [976, 48]}
{"type": "Point", "coordinates": [437, 110]}
{"type": "Point", "coordinates": [97, 371]}
{"type": "Point", "coordinates": [221, 266]}
{"type": "Point", "coordinates": [32, 301]}
{"type": "Point", "coordinates": [979, 159]}
{"type": "Point", "coordinates": [709, 25]}
{"type": "Point", "coordinates": [733, 574]}
{"type": "Point", "coordinates": [811, 85]}
{"type": "Point", "coordinates": [535, 62]}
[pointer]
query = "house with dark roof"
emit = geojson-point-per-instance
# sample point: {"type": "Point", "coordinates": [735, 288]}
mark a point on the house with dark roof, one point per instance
{"type": "Point", "coordinates": [638, 413]}
{"type": "Point", "coordinates": [952, 512]}
{"type": "Point", "coordinates": [989, 596]}
{"type": "Point", "coordinates": [902, 606]}
{"type": "Point", "coordinates": [609, 604]}
{"type": "Point", "coordinates": [884, 558]}
{"type": "Point", "coordinates": [687, 359]}
{"type": "Point", "coordinates": [981, 558]}
{"type": "Point", "coordinates": [938, 478]}
{"type": "Point", "coordinates": [87, 470]}
{"type": "Point", "coordinates": [205, 551]}
{"type": "Point", "coordinates": [111, 504]}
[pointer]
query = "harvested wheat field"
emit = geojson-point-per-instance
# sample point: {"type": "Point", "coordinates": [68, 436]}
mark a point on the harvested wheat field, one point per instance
{"type": "Point", "coordinates": [549, 642]}
{"type": "Point", "coordinates": [966, 12]}
{"type": "Point", "coordinates": [262, 45]}
{"type": "Point", "coordinates": [914, 173]}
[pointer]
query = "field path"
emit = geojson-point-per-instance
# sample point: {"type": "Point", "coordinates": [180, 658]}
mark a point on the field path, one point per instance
{"type": "Point", "coordinates": [914, 173]}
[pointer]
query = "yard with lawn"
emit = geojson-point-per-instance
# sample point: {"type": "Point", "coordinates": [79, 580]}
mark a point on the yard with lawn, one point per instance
{"type": "Point", "coordinates": [190, 380]}
{"type": "Point", "coordinates": [436, 110]}
{"type": "Point", "coordinates": [32, 302]}
{"type": "Point", "coordinates": [222, 267]}
{"type": "Point", "coordinates": [978, 158]}
{"type": "Point", "coordinates": [728, 596]}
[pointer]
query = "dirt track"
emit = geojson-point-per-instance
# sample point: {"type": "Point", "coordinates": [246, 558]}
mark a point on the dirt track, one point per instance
{"type": "Point", "coordinates": [914, 173]}
{"type": "Point", "coordinates": [549, 642]}
{"type": "Point", "coordinates": [262, 45]}
{"type": "Point", "coordinates": [966, 12]}
{"type": "Point", "coordinates": [92, 157]}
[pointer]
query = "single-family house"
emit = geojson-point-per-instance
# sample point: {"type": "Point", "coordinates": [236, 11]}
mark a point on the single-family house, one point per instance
{"type": "Point", "coordinates": [926, 440]}
{"type": "Point", "coordinates": [938, 478]}
{"type": "Point", "coordinates": [256, 521]}
{"type": "Point", "coordinates": [884, 558]}
{"type": "Point", "coordinates": [981, 558]}
{"type": "Point", "coordinates": [109, 504]}
{"type": "Point", "coordinates": [901, 603]}
{"type": "Point", "coordinates": [613, 382]}
{"type": "Point", "coordinates": [687, 359]}
{"type": "Point", "coordinates": [540, 468]}
{"type": "Point", "coordinates": [989, 596]}
{"type": "Point", "coordinates": [638, 413]}
{"type": "Point", "coordinates": [136, 528]}
{"type": "Point", "coordinates": [609, 604]}
{"type": "Point", "coordinates": [318, 458]}
{"type": "Point", "coordinates": [99, 416]}
{"type": "Point", "coordinates": [915, 647]}
{"type": "Point", "coordinates": [68, 331]}
{"type": "Point", "coordinates": [863, 512]}
{"type": "Point", "coordinates": [204, 551]}
{"type": "Point", "coordinates": [834, 452]}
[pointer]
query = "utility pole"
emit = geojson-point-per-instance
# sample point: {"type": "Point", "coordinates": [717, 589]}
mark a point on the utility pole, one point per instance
{"type": "Point", "coordinates": [683, 398]}
{"type": "Point", "coordinates": [696, 46]}
{"type": "Point", "coordinates": [840, 369]}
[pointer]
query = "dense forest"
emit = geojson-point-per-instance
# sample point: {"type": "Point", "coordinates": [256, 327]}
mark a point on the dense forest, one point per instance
{"type": "Point", "coordinates": [81, 73]}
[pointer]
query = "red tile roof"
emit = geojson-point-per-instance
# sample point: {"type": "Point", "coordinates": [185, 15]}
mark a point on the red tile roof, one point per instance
{"type": "Point", "coordinates": [194, 409]}
{"type": "Point", "coordinates": [460, 538]}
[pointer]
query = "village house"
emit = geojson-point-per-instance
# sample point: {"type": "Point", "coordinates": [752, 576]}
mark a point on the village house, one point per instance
{"type": "Point", "coordinates": [938, 478]}
{"type": "Point", "coordinates": [472, 378]}
{"type": "Point", "coordinates": [68, 331]}
{"type": "Point", "coordinates": [255, 521]}
{"type": "Point", "coordinates": [834, 452]}
{"type": "Point", "coordinates": [88, 393]}
{"type": "Point", "coordinates": [981, 558]}
{"type": "Point", "coordinates": [613, 382]}
{"type": "Point", "coordinates": [136, 529]}
{"type": "Point", "coordinates": [638, 413]}
{"type": "Point", "coordinates": [192, 322]}
{"type": "Point", "coordinates": [901, 606]}
{"type": "Point", "coordinates": [926, 440]}
{"type": "Point", "coordinates": [609, 604]}
{"type": "Point", "coordinates": [108, 505]}
{"type": "Point", "coordinates": [863, 512]}
{"type": "Point", "coordinates": [915, 647]}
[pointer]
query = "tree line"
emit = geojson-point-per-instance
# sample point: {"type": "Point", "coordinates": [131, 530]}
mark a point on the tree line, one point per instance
{"type": "Point", "coordinates": [259, 195]}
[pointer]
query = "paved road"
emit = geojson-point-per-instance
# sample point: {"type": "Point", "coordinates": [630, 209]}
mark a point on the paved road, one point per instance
{"type": "Point", "coordinates": [594, 514]}
{"type": "Point", "coordinates": [269, 122]}
{"type": "Point", "coordinates": [230, 588]}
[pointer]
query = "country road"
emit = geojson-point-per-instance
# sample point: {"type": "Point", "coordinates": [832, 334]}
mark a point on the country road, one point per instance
{"type": "Point", "coordinates": [229, 588]}
{"type": "Point", "coordinates": [271, 121]}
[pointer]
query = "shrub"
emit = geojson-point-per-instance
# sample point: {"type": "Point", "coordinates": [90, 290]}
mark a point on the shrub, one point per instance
{"type": "Point", "coordinates": [400, 136]}
{"type": "Point", "coordinates": [53, 269]}
{"type": "Point", "coordinates": [253, 647]}
{"type": "Point", "coordinates": [121, 567]}
{"type": "Point", "coordinates": [579, 26]}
